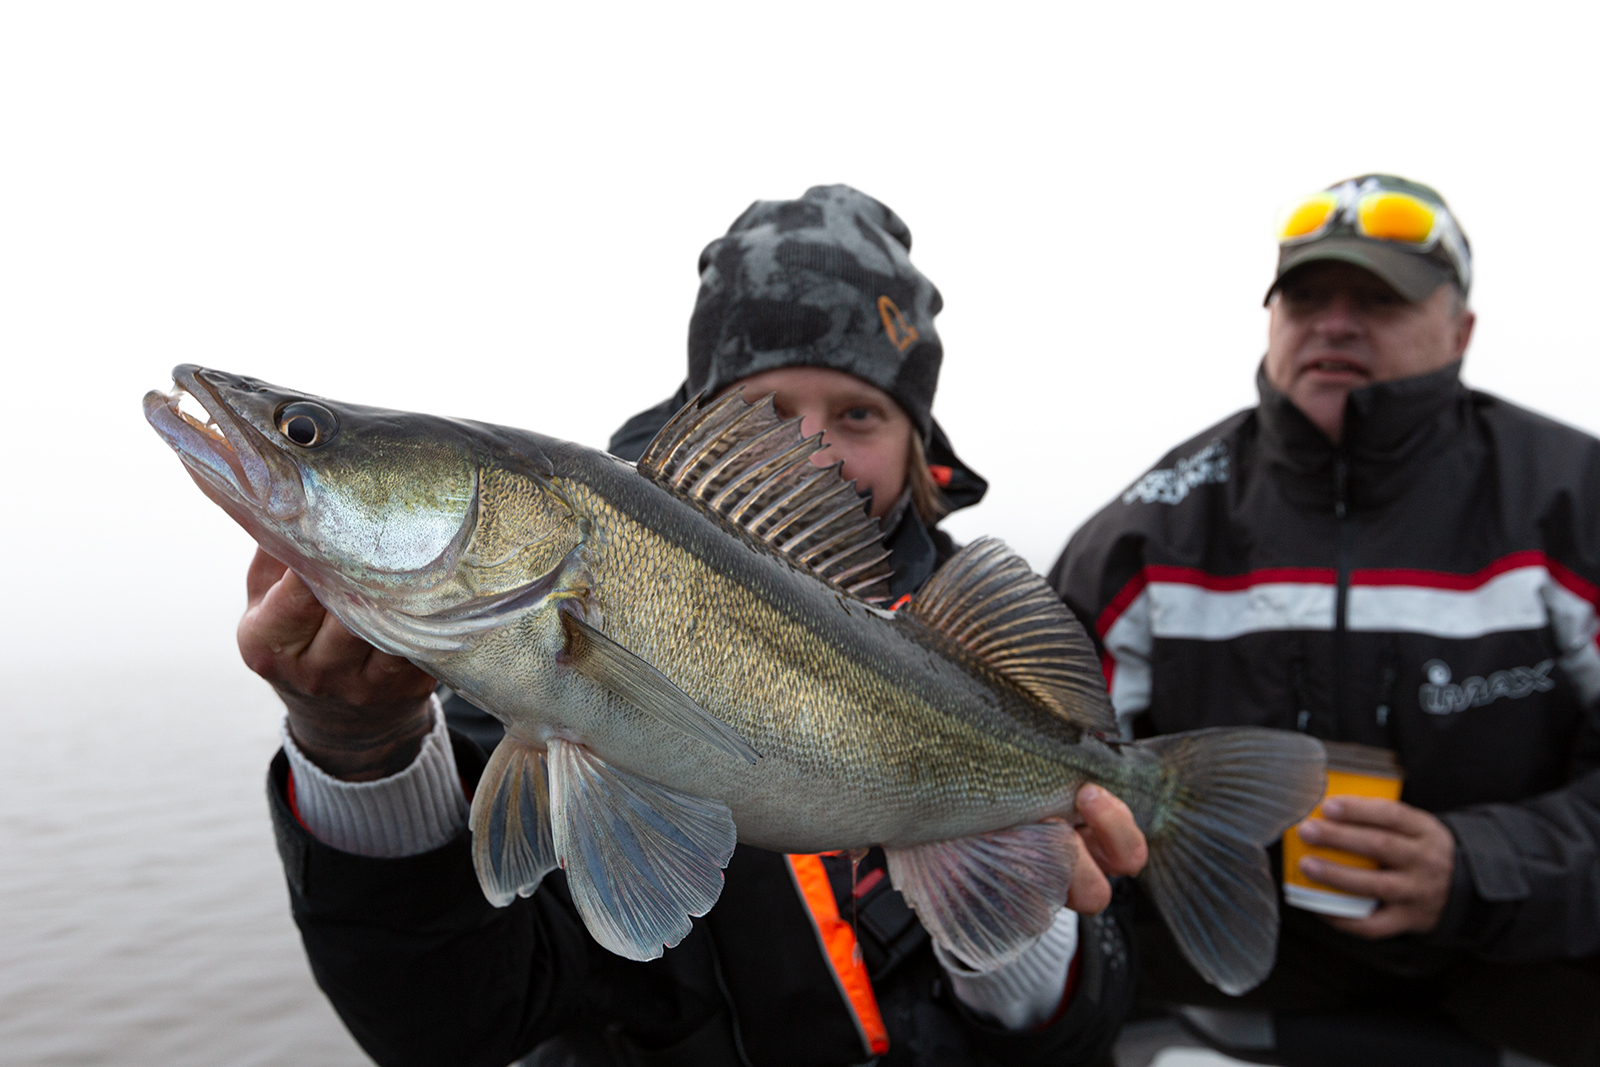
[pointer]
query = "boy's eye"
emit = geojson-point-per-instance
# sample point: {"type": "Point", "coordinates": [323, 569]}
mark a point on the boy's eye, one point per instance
{"type": "Point", "coordinates": [858, 414]}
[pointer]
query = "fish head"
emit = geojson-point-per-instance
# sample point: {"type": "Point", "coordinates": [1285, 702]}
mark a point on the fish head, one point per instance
{"type": "Point", "coordinates": [359, 499]}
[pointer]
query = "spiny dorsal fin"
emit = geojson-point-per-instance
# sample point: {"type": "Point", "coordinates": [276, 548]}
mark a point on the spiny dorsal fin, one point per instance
{"type": "Point", "coordinates": [741, 462]}
{"type": "Point", "coordinates": [989, 601]}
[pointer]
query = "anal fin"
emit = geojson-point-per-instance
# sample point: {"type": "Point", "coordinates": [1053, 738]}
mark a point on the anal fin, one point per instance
{"type": "Point", "coordinates": [512, 849]}
{"type": "Point", "coordinates": [641, 859]}
{"type": "Point", "coordinates": [597, 657]}
{"type": "Point", "coordinates": [987, 899]}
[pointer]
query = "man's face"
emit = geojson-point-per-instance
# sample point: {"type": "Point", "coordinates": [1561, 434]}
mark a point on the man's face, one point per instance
{"type": "Point", "coordinates": [860, 423]}
{"type": "Point", "coordinates": [1335, 327]}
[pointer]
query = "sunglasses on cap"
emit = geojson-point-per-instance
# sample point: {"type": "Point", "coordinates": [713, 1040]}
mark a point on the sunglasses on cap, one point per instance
{"type": "Point", "coordinates": [1380, 214]}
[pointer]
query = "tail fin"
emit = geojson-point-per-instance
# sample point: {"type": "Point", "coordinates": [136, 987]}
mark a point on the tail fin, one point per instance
{"type": "Point", "coordinates": [1235, 790]}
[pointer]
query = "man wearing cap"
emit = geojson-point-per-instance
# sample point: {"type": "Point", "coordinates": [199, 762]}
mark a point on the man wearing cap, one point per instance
{"type": "Point", "coordinates": [810, 959]}
{"type": "Point", "coordinates": [1376, 554]}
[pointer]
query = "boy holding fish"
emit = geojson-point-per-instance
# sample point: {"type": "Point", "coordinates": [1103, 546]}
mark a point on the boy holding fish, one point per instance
{"type": "Point", "coordinates": [805, 958]}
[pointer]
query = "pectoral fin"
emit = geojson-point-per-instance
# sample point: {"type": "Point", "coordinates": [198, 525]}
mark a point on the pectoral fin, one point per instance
{"type": "Point", "coordinates": [597, 657]}
{"type": "Point", "coordinates": [453, 629]}
{"type": "Point", "coordinates": [640, 858]}
{"type": "Point", "coordinates": [511, 843]}
{"type": "Point", "coordinates": [988, 899]}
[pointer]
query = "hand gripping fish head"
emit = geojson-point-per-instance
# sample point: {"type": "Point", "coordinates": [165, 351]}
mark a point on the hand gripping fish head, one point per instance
{"type": "Point", "coordinates": [693, 650]}
{"type": "Point", "coordinates": [379, 511]}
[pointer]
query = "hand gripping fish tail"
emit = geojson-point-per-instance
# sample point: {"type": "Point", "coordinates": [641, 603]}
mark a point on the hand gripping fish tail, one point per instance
{"type": "Point", "coordinates": [692, 651]}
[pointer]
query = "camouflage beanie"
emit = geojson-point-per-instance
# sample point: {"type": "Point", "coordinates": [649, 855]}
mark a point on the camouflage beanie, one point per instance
{"type": "Point", "coordinates": [822, 281]}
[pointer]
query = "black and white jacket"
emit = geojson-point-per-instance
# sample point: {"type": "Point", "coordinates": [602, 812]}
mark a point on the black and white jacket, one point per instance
{"type": "Point", "coordinates": [1430, 586]}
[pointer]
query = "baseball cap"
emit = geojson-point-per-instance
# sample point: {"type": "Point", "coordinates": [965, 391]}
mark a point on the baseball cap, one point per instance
{"type": "Point", "coordinates": [1400, 230]}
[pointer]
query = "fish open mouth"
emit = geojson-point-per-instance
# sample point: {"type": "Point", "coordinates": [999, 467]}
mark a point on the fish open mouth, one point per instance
{"type": "Point", "coordinates": [203, 430]}
{"type": "Point", "coordinates": [188, 407]}
{"type": "Point", "coordinates": [221, 426]}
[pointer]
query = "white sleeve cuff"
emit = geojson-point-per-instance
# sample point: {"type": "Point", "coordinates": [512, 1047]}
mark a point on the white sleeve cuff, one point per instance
{"type": "Point", "coordinates": [1026, 992]}
{"type": "Point", "coordinates": [406, 814]}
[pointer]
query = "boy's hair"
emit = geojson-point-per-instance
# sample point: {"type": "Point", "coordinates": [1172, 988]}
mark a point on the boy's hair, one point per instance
{"type": "Point", "coordinates": [925, 494]}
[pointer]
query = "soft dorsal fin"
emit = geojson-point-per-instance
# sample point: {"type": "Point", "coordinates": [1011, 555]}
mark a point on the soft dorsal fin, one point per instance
{"type": "Point", "coordinates": [988, 600]}
{"type": "Point", "coordinates": [743, 463]}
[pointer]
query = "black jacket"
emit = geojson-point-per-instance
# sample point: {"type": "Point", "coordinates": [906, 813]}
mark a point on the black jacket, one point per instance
{"type": "Point", "coordinates": [424, 971]}
{"type": "Point", "coordinates": [1429, 586]}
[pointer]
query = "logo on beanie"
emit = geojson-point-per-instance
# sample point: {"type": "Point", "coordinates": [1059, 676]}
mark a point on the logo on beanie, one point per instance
{"type": "Point", "coordinates": [901, 333]}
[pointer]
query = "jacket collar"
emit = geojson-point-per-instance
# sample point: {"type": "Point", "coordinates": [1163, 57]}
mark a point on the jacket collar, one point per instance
{"type": "Point", "coordinates": [1389, 428]}
{"type": "Point", "coordinates": [913, 556]}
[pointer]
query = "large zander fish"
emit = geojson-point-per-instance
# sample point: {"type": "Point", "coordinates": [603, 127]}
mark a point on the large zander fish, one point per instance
{"type": "Point", "coordinates": [690, 645]}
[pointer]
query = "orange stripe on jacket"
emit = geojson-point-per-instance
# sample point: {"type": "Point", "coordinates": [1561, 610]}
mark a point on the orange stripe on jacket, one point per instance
{"type": "Point", "coordinates": [839, 942]}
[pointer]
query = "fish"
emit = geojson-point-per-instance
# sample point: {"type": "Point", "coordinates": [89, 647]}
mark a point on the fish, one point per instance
{"type": "Point", "coordinates": [695, 650]}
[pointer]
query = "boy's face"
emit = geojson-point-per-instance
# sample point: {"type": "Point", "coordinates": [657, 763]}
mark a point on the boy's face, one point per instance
{"type": "Point", "coordinates": [860, 423]}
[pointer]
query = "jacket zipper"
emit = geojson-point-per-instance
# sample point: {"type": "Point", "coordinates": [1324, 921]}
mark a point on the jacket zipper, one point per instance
{"type": "Point", "coordinates": [1300, 691]}
{"type": "Point", "coordinates": [1341, 603]}
{"type": "Point", "coordinates": [727, 999]}
{"type": "Point", "coordinates": [1386, 691]}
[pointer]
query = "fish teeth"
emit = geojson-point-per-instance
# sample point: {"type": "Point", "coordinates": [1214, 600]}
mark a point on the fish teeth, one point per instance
{"type": "Point", "coordinates": [194, 413]}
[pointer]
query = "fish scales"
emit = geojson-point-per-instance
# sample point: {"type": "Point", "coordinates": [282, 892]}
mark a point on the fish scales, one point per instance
{"type": "Point", "coordinates": [811, 608]}
{"type": "Point", "coordinates": [830, 693]}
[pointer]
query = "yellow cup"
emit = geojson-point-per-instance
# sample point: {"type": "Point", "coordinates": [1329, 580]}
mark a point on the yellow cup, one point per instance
{"type": "Point", "coordinates": [1353, 770]}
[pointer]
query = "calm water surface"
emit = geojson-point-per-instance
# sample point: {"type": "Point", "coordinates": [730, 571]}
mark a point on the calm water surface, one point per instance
{"type": "Point", "coordinates": [143, 915]}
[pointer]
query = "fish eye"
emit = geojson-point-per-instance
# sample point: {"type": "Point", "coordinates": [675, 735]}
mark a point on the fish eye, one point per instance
{"type": "Point", "coordinates": [306, 424]}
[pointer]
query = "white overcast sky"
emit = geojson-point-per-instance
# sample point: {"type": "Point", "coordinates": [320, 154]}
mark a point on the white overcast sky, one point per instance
{"type": "Point", "coordinates": [495, 211]}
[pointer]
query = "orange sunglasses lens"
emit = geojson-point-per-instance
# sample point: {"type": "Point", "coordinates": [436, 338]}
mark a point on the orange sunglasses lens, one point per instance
{"type": "Point", "coordinates": [1308, 216]}
{"type": "Point", "coordinates": [1395, 217]}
